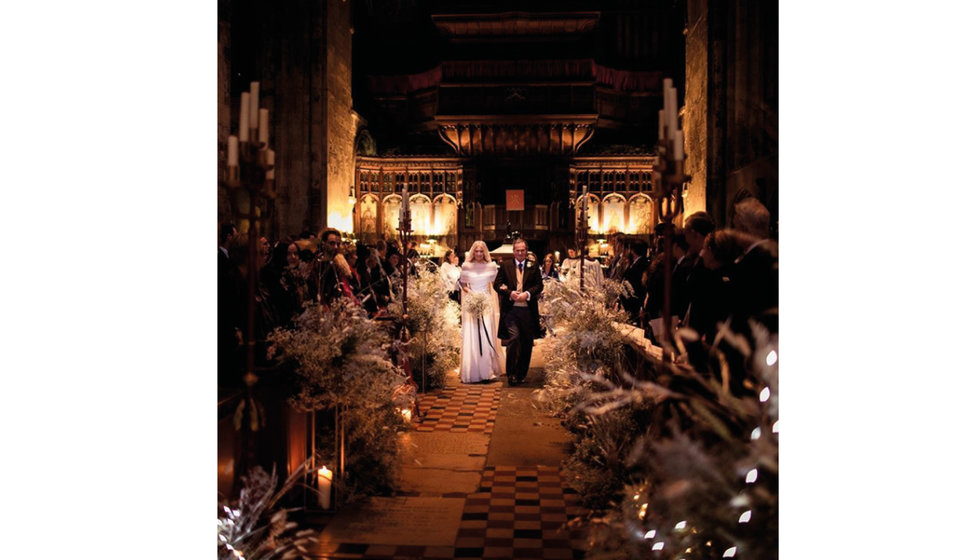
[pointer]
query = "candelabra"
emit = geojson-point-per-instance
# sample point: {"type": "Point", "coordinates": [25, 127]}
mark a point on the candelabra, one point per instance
{"type": "Point", "coordinates": [249, 181]}
{"type": "Point", "coordinates": [669, 171]}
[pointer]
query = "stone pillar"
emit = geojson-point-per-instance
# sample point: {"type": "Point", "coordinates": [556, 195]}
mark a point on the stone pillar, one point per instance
{"type": "Point", "coordinates": [695, 120]}
{"type": "Point", "coordinates": [340, 121]}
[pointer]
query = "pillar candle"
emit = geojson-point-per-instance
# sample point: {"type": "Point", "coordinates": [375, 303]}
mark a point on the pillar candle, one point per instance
{"type": "Point", "coordinates": [243, 119]}
{"type": "Point", "coordinates": [679, 145]}
{"type": "Point", "coordinates": [264, 126]}
{"type": "Point", "coordinates": [270, 159]}
{"type": "Point", "coordinates": [232, 151]}
{"type": "Point", "coordinates": [660, 125]}
{"type": "Point", "coordinates": [324, 483]}
{"type": "Point", "coordinates": [253, 107]}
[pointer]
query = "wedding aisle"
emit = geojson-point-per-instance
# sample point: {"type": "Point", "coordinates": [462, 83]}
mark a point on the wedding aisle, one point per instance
{"type": "Point", "coordinates": [479, 478]}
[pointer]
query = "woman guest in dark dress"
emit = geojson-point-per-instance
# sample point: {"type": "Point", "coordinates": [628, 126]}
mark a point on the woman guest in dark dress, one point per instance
{"type": "Point", "coordinates": [548, 268]}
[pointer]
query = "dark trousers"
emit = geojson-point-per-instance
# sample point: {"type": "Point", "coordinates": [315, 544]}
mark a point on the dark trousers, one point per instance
{"type": "Point", "coordinates": [519, 342]}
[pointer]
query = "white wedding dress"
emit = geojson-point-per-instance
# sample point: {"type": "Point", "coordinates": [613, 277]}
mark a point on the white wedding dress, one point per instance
{"type": "Point", "coordinates": [483, 356]}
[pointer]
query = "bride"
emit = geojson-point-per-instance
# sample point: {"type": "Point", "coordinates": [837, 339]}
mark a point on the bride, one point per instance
{"type": "Point", "coordinates": [482, 357]}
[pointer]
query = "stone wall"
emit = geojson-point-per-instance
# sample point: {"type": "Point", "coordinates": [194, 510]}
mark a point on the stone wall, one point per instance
{"type": "Point", "coordinates": [695, 117]}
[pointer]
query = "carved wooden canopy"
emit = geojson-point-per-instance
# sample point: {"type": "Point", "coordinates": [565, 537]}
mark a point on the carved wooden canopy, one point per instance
{"type": "Point", "coordinates": [517, 135]}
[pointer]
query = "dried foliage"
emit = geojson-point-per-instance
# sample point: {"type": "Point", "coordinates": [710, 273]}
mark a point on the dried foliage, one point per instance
{"type": "Point", "coordinates": [433, 321]}
{"type": "Point", "coordinates": [252, 528]}
{"type": "Point", "coordinates": [687, 458]}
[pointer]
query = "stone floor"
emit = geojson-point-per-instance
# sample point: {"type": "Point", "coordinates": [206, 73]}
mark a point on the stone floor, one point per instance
{"type": "Point", "coordinates": [479, 478]}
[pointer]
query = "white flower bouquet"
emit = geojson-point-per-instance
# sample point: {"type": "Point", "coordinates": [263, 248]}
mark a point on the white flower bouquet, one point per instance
{"type": "Point", "coordinates": [476, 303]}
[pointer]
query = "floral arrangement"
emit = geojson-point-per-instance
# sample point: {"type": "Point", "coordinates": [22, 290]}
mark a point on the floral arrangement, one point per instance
{"type": "Point", "coordinates": [249, 528]}
{"type": "Point", "coordinates": [686, 452]}
{"type": "Point", "coordinates": [433, 320]}
{"type": "Point", "coordinates": [476, 303]}
{"type": "Point", "coordinates": [338, 357]}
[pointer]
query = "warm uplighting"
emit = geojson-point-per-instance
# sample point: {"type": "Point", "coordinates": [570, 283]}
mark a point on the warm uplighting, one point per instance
{"type": "Point", "coordinates": [350, 195]}
{"type": "Point", "coordinates": [406, 414]}
{"type": "Point", "coordinates": [341, 221]}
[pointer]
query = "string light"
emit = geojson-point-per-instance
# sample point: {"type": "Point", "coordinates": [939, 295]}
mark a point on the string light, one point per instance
{"type": "Point", "coordinates": [757, 433]}
{"type": "Point", "coordinates": [764, 395]}
{"type": "Point", "coordinates": [771, 358]}
{"type": "Point", "coordinates": [775, 427]}
{"type": "Point", "coordinates": [643, 511]}
{"type": "Point", "coordinates": [730, 553]}
{"type": "Point", "coordinates": [680, 525]}
{"type": "Point", "coordinates": [650, 534]}
{"type": "Point", "coordinates": [659, 545]}
{"type": "Point", "coordinates": [752, 476]}
{"type": "Point", "coordinates": [746, 516]}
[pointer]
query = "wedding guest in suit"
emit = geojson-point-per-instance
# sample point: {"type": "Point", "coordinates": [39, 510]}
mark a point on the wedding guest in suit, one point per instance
{"type": "Point", "coordinates": [328, 281]}
{"type": "Point", "coordinates": [518, 284]}
{"type": "Point", "coordinates": [700, 280]}
{"type": "Point", "coordinates": [756, 269]}
{"type": "Point", "coordinates": [633, 302]}
{"type": "Point", "coordinates": [680, 267]}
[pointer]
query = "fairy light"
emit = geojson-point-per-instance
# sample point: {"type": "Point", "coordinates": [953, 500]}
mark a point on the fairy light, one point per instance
{"type": "Point", "coordinates": [643, 511]}
{"type": "Point", "coordinates": [775, 427]}
{"type": "Point", "coordinates": [764, 395]}
{"type": "Point", "coordinates": [746, 516]}
{"type": "Point", "coordinates": [756, 433]}
{"type": "Point", "coordinates": [771, 358]}
{"type": "Point", "coordinates": [636, 497]}
{"type": "Point", "coordinates": [730, 553]}
{"type": "Point", "coordinates": [659, 545]}
{"type": "Point", "coordinates": [650, 534]}
{"type": "Point", "coordinates": [680, 525]}
{"type": "Point", "coordinates": [752, 476]}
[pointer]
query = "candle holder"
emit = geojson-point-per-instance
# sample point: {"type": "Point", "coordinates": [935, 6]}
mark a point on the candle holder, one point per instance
{"type": "Point", "coordinates": [670, 204]}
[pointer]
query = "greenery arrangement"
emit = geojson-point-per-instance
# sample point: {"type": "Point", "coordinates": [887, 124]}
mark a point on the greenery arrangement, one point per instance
{"type": "Point", "coordinates": [251, 527]}
{"type": "Point", "coordinates": [681, 463]}
{"type": "Point", "coordinates": [433, 321]}
{"type": "Point", "coordinates": [339, 358]}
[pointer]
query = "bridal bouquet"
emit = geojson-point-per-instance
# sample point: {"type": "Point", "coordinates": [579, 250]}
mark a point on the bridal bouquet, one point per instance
{"type": "Point", "coordinates": [476, 303]}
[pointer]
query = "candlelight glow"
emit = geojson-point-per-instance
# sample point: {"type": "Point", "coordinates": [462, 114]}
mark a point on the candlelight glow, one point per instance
{"type": "Point", "coordinates": [752, 476]}
{"type": "Point", "coordinates": [771, 358]}
{"type": "Point", "coordinates": [764, 395]}
{"type": "Point", "coordinates": [326, 473]}
{"type": "Point", "coordinates": [407, 414]}
{"type": "Point", "coordinates": [643, 511]}
{"type": "Point", "coordinates": [341, 222]}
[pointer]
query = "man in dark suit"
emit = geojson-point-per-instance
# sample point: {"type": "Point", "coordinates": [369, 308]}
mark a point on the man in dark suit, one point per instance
{"type": "Point", "coordinates": [518, 284]}
{"type": "Point", "coordinates": [634, 277]}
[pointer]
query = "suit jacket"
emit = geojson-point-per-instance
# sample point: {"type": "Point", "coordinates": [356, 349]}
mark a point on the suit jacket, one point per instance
{"type": "Point", "coordinates": [533, 284]}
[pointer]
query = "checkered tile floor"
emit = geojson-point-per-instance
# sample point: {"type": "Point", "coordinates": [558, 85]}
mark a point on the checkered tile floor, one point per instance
{"type": "Point", "coordinates": [460, 408]}
{"type": "Point", "coordinates": [518, 512]}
